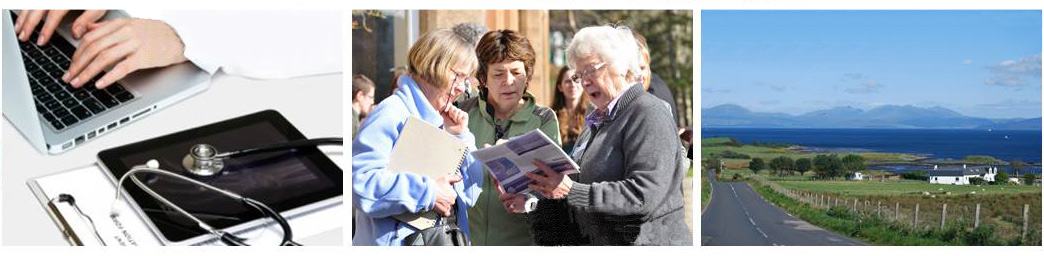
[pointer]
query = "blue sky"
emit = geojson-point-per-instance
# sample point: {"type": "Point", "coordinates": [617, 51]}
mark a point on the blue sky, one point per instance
{"type": "Point", "coordinates": [978, 63]}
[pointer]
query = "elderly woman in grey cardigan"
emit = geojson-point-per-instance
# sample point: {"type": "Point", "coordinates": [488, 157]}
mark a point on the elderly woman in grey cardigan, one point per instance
{"type": "Point", "coordinates": [632, 164]}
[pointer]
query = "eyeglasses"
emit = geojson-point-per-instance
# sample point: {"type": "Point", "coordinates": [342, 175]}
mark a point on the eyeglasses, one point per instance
{"type": "Point", "coordinates": [580, 75]}
{"type": "Point", "coordinates": [457, 76]}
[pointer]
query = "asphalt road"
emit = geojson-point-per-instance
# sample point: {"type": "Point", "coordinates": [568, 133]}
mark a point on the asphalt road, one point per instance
{"type": "Point", "coordinates": [739, 216]}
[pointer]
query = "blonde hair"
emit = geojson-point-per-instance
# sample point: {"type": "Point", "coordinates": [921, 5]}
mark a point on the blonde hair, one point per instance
{"type": "Point", "coordinates": [615, 45]}
{"type": "Point", "coordinates": [434, 55]}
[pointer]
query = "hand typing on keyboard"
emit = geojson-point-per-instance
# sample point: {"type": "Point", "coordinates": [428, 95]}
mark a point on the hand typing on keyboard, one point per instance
{"type": "Point", "coordinates": [125, 45]}
{"type": "Point", "coordinates": [122, 45]}
{"type": "Point", "coordinates": [29, 19]}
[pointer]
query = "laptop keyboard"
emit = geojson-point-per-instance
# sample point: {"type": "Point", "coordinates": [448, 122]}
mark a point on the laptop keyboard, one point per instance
{"type": "Point", "coordinates": [57, 101]}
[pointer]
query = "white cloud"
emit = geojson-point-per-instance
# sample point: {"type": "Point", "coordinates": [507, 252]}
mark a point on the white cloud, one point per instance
{"type": "Point", "coordinates": [966, 62]}
{"type": "Point", "coordinates": [1016, 73]}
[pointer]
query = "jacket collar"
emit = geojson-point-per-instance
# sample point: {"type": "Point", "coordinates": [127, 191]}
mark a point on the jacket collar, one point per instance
{"type": "Point", "coordinates": [625, 100]}
{"type": "Point", "coordinates": [410, 92]}
{"type": "Point", "coordinates": [529, 103]}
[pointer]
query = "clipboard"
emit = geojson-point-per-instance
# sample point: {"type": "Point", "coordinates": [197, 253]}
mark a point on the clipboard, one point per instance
{"type": "Point", "coordinates": [429, 151]}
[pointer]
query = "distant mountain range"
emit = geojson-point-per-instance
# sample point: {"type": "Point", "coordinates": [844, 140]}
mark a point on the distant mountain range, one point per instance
{"type": "Point", "coordinates": [888, 116]}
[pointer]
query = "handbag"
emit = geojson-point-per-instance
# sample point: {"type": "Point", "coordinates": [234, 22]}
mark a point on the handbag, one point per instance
{"type": "Point", "coordinates": [446, 232]}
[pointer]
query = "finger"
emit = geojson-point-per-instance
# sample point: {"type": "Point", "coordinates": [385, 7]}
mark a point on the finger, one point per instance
{"type": "Point", "coordinates": [454, 179]}
{"type": "Point", "coordinates": [22, 16]}
{"type": "Point", "coordinates": [91, 49]}
{"type": "Point", "coordinates": [539, 179]}
{"type": "Point", "coordinates": [30, 24]}
{"type": "Point", "coordinates": [499, 188]}
{"type": "Point", "coordinates": [540, 189]}
{"type": "Point", "coordinates": [87, 17]}
{"type": "Point", "coordinates": [97, 32]}
{"type": "Point", "coordinates": [53, 19]}
{"type": "Point", "coordinates": [441, 208]}
{"type": "Point", "coordinates": [115, 74]}
{"type": "Point", "coordinates": [105, 59]}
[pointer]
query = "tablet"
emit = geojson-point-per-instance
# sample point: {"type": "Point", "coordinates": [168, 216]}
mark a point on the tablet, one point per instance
{"type": "Point", "coordinates": [284, 180]}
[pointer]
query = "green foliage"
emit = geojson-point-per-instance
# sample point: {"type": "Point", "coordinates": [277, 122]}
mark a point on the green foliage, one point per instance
{"type": "Point", "coordinates": [756, 165]}
{"type": "Point", "coordinates": [803, 165]}
{"type": "Point", "coordinates": [1028, 179]}
{"type": "Point", "coordinates": [782, 165]}
{"type": "Point", "coordinates": [1002, 177]}
{"type": "Point", "coordinates": [736, 176]}
{"type": "Point", "coordinates": [853, 163]}
{"type": "Point", "coordinates": [915, 175]}
{"type": "Point", "coordinates": [733, 155]}
{"type": "Point", "coordinates": [712, 163]}
{"type": "Point", "coordinates": [981, 159]}
{"type": "Point", "coordinates": [977, 181]}
{"type": "Point", "coordinates": [828, 166]}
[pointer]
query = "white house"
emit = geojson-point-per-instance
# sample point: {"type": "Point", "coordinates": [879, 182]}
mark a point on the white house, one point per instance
{"type": "Point", "coordinates": [960, 175]}
{"type": "Point", "coordinates": [856, 176]}
{"type": "Point", "coordinates": [1015, 180]}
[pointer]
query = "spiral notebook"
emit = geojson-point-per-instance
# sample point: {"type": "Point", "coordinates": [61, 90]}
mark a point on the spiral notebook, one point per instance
{"type": "Point", "coordinates": [426, 150]}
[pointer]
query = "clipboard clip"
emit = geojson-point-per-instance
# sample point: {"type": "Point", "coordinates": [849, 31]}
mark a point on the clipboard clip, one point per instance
{"type": "Point", "coordinates": [63, 224]}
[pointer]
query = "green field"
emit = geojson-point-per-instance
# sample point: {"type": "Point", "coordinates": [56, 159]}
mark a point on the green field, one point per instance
{"type": "Point", "coordinates": [900, 187]}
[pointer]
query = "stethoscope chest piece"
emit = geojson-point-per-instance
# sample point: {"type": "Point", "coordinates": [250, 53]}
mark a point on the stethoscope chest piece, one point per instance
{"type": "Point", "coordinates": [202, 160]}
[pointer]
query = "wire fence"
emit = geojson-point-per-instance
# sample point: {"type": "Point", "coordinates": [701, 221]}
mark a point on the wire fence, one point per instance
{"type": "Point", "coordinates": [1010, 216]}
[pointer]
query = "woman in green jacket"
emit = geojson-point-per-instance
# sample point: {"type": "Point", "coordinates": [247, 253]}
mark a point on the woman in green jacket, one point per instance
{"type": "Point", "coordinates": [503, 109]}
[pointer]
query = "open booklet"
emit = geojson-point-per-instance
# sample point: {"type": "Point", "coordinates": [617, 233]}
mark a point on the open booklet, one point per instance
{"type": "Point", "coordinates": [509, 161]}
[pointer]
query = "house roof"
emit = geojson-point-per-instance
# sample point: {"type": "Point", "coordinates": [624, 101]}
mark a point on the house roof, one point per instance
{"type": "Point", "coordinates": [958, 170]}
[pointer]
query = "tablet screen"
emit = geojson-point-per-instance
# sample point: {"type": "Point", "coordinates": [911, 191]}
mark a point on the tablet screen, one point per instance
{"type": "Point", "coordinates": [283, 179]}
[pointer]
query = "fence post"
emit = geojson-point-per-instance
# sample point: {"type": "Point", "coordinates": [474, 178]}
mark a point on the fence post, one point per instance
{"type": "Point", "coordinates": [878, 209]}
{"type": "Point", "coordinates": [976, 215]}
{"type": "Point", "coordinates": [896, 212]}
{"type": "Point", "coordinates": [1025, 220]}
{"type": "Point", "coordinates": [855, 205]}
{"type": "Point", "coordinates": [917, 211]}
{"type": "Point", "coordinates": [942, 224]}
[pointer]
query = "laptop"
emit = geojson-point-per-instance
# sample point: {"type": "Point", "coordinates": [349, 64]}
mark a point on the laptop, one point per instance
{"type": "Point", "coordinates": [55, 117]}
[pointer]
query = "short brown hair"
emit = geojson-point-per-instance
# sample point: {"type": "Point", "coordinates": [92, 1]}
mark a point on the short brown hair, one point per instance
{"type": "Point", "coordinates": [434, 55]}
{"type": "Point", "coordinates": [500, 45]}
{"type": "Point", "coordinates": [361, 83]}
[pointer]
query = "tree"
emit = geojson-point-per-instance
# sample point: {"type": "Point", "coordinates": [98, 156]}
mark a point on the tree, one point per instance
{"type": "Point", "coordinates": [1029, 178]}
{"type": "Point", "coordinates": [852, 163]}
{"type": "Point", "coordinates": [1017, 166]}
{"type": "Point", "coordinates": [714, 163]}
{"type": "Point", "coordinates": [827, 166]}
{"type": "Point", "coordinates": [803, 165]}
{"type": "Point", "coordinates": [915, 175]}
{"type": "Point", "coordinates": [976, 181]}
{"type": "Point", "coordinates": [781, 165]}
{"type": "Point", "coordinates": [756, 165]}
{"type": "Point", "coordinates": [1002, 177]}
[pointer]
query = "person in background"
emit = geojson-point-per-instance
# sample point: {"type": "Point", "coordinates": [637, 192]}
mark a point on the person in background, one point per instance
{"type": "Point", "coordinates": [571, 106]}
{"type": "Point", "coordinates": [439, 64]}
{"type": "Point", "coordinates": [652, 82]}
{"type": "Point", "coordinates": [632, 164]}
{"type": "Point", "coordinates": [362, 100]}
{"type": "Point", "coordinates": [472, 33]}
{"type": "Point", "coordinates": [501, 110]}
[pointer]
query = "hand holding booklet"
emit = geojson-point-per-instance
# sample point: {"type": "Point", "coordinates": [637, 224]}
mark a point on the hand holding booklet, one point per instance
{"type": "Point", "coordinates": [508, 162]}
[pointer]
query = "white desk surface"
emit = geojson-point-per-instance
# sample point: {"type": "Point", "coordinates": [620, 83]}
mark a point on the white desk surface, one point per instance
{"type": "Point", "coordinates": [313, 104]}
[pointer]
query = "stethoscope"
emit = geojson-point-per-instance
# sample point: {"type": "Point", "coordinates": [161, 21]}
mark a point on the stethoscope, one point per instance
{"type": "Point", "coordinates": [204, 160]}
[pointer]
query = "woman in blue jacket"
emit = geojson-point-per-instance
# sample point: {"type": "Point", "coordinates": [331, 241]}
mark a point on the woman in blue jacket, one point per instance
{"type": "Point", "coordinates": [440, 63]}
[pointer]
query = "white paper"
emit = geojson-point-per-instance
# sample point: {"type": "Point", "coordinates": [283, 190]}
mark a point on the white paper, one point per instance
{"type": "Point", "coordinates": [94, 193]}
{"type": "Point", "coordinates": [509, 161]}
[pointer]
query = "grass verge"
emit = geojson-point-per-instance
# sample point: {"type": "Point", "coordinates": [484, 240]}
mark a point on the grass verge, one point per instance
{"type": "Point", "coordinates": [878, 231]}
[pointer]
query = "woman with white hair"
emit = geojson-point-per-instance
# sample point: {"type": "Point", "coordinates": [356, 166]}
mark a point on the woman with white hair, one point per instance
{"type": "Point", "coordinates": [632, 164]}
